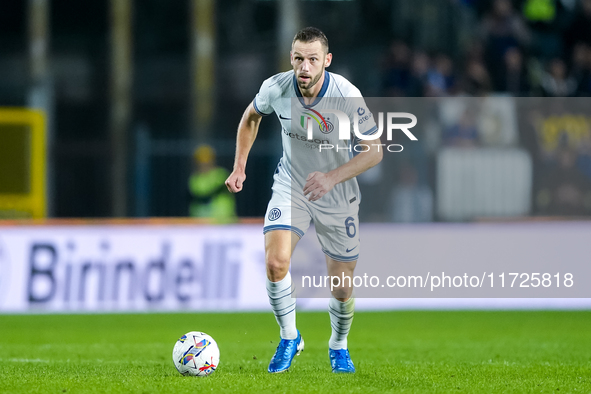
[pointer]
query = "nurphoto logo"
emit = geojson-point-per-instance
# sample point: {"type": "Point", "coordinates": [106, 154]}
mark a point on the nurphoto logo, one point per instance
{"type": "Point", "coordinates": [359, 118]}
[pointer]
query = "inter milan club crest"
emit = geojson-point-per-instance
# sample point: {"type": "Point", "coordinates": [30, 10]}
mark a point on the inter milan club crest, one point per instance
{"type": "Point", "coordinates": [325, 124]}
{"type": "Point", "coordinates": [274, 214]}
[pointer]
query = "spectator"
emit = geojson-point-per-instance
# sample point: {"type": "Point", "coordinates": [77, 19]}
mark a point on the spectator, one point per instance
{"type": "Point", "coordinates": [502, 29]}
{"type": "Point", "coordinates": [397, 72]}
{"type": "Point", "coordinates": [515, 76]}
{"type": "Point", "coordinates": [475, 51]}
{"type": "Point", "coordinates": [477, 80]}
{"type": "Point", "coordinates": [580, 28]}
{"type": "Point", "coordinates": [556, 83]}
{"type": "Point", "coordinates": [210, 197]}
{"type": "Point", "coordinates": [440, 78]}
{"type": "Point", "coordinates": [418, 75]}
{"type": "Point", "coordinates": [581, 69]}
{"type": "Point", "coordinates": [542, 19]}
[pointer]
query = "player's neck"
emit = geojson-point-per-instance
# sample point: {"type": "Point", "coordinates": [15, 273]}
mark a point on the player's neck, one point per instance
{"type": "Point", "coordinates": [309, 95]}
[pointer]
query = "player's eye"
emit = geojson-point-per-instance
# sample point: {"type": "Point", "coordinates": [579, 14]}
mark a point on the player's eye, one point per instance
{"type": "Point", "coordinates": [313, 59]}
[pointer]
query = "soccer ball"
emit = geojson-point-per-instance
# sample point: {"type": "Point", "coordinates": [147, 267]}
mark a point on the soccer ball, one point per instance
{"type": "Point", "coordinates": [196, 354]}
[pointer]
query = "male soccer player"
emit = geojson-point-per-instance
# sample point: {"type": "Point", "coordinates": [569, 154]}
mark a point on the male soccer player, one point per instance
{"type": "Point", "coordinates": [309, 185]}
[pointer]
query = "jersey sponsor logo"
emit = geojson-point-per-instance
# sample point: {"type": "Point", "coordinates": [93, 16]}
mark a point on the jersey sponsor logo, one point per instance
{"type": "Point", "coordinates": [274, 214]}
{"type": "Point", "coordinates": [303, 138]}
{"type": "Point", "coordinates": [284, 118]}
{"type": "Point", "coordinates": [360, 111]}
{"type": "Point", "coordinates": [362, 117]}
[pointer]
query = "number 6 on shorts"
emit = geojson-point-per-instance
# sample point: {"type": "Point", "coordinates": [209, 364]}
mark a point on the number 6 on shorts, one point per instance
{"type": "Point", "coordinates": [350, 226]}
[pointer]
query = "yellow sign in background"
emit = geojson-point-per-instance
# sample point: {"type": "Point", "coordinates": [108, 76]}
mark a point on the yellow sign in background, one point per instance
{"type": "Point", "coordinates": [22, 163]}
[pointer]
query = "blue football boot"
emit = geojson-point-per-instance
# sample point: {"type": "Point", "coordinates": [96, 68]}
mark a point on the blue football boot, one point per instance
{"type": "Point", "coordinates": [286, 351]}
{"type": "Point", "coordinates": [340, 361]}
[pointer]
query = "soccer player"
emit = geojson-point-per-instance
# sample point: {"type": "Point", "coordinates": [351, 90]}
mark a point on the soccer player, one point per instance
{"type": "Point", "coordinates": [310, 185]}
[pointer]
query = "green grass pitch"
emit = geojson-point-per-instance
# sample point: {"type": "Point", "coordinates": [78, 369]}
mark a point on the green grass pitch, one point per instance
{"type": "Point", "coordinates": [405, 351]}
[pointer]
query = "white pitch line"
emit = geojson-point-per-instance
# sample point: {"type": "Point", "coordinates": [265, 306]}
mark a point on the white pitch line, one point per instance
{"type": "Point", "coordinates": [38, 360]}
{"type": "Point", "coordinates": [26, 360]}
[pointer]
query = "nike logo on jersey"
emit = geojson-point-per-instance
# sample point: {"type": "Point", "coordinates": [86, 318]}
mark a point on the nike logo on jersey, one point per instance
{"type": "Point", "coordinates": [281, 117]}
{"type": "Point", "coordinates": [350, 250]}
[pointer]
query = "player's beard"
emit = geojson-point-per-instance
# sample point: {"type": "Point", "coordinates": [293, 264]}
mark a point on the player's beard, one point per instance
{"type": "Point", "coordinates": [314, 81]}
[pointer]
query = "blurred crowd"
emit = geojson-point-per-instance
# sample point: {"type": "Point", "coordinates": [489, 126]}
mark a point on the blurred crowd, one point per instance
{"type": "Point", "coordinates": [521, 48]}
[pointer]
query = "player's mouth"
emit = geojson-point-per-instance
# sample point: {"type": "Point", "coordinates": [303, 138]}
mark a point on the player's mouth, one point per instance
{"type": "Point", "coordinates": [305, 78]}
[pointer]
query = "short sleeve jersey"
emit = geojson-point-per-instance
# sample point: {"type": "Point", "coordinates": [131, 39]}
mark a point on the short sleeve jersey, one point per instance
{"type": "Point", "coordinates": [301, 156]}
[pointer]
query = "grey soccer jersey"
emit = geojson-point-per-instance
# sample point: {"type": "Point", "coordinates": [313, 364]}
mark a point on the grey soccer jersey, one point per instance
{"type": "Point", "coordinates": [280, 94]}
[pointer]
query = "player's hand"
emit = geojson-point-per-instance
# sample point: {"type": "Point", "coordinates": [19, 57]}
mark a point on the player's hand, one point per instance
{"type": "Point", "coordinates": [317, 185]}
{"type": "Point", "coordinates": [235, 181]}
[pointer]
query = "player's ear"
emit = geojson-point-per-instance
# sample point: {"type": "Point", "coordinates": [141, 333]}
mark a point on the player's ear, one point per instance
{"type": "Point", "coordinates": [328, 59]}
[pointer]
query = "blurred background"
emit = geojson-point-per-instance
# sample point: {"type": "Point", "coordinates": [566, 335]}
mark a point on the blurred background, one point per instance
{"type": "Point", "coordinates": [125, 91]}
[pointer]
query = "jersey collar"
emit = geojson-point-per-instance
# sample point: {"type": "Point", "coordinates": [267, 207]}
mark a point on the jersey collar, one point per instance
{"type": "Point", "coordinates": [320, 94]}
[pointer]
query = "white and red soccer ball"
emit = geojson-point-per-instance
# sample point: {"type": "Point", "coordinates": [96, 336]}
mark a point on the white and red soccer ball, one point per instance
{"type": "Point", "coordinates": [196, 354]}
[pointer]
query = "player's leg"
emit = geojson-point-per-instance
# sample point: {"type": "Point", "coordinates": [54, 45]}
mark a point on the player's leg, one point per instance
{"type": "Point", "coordinates": [341, 306]}
{"type": "Point", "coordinates": [341, 309]}
{"type": "Point", "coordinates": [342, 290]}
{"type": "Point", "coordinates": [279, 245]}
{"type": "Point", "coordinates": [338, 235]}
{"type": "Point", "coordinates": [285, 223]}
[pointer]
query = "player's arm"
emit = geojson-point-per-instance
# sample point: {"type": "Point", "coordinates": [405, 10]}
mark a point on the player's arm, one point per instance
{"type": "Point", "coordinates": [319, 183]}
{"type": "Point", "coordinates": [247, 133]}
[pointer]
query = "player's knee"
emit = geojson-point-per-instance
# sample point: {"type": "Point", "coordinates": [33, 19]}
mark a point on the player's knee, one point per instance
{"type": "Point", "coordinates": [342, 293]}
{"type": "Point", "coordinates": [277, 267]}
{"type": "Point", "coordinates": [341, 287]}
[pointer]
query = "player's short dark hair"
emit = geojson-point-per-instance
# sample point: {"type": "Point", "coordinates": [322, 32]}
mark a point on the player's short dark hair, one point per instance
{"type": "Point", "coordinates": [311, 34]}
